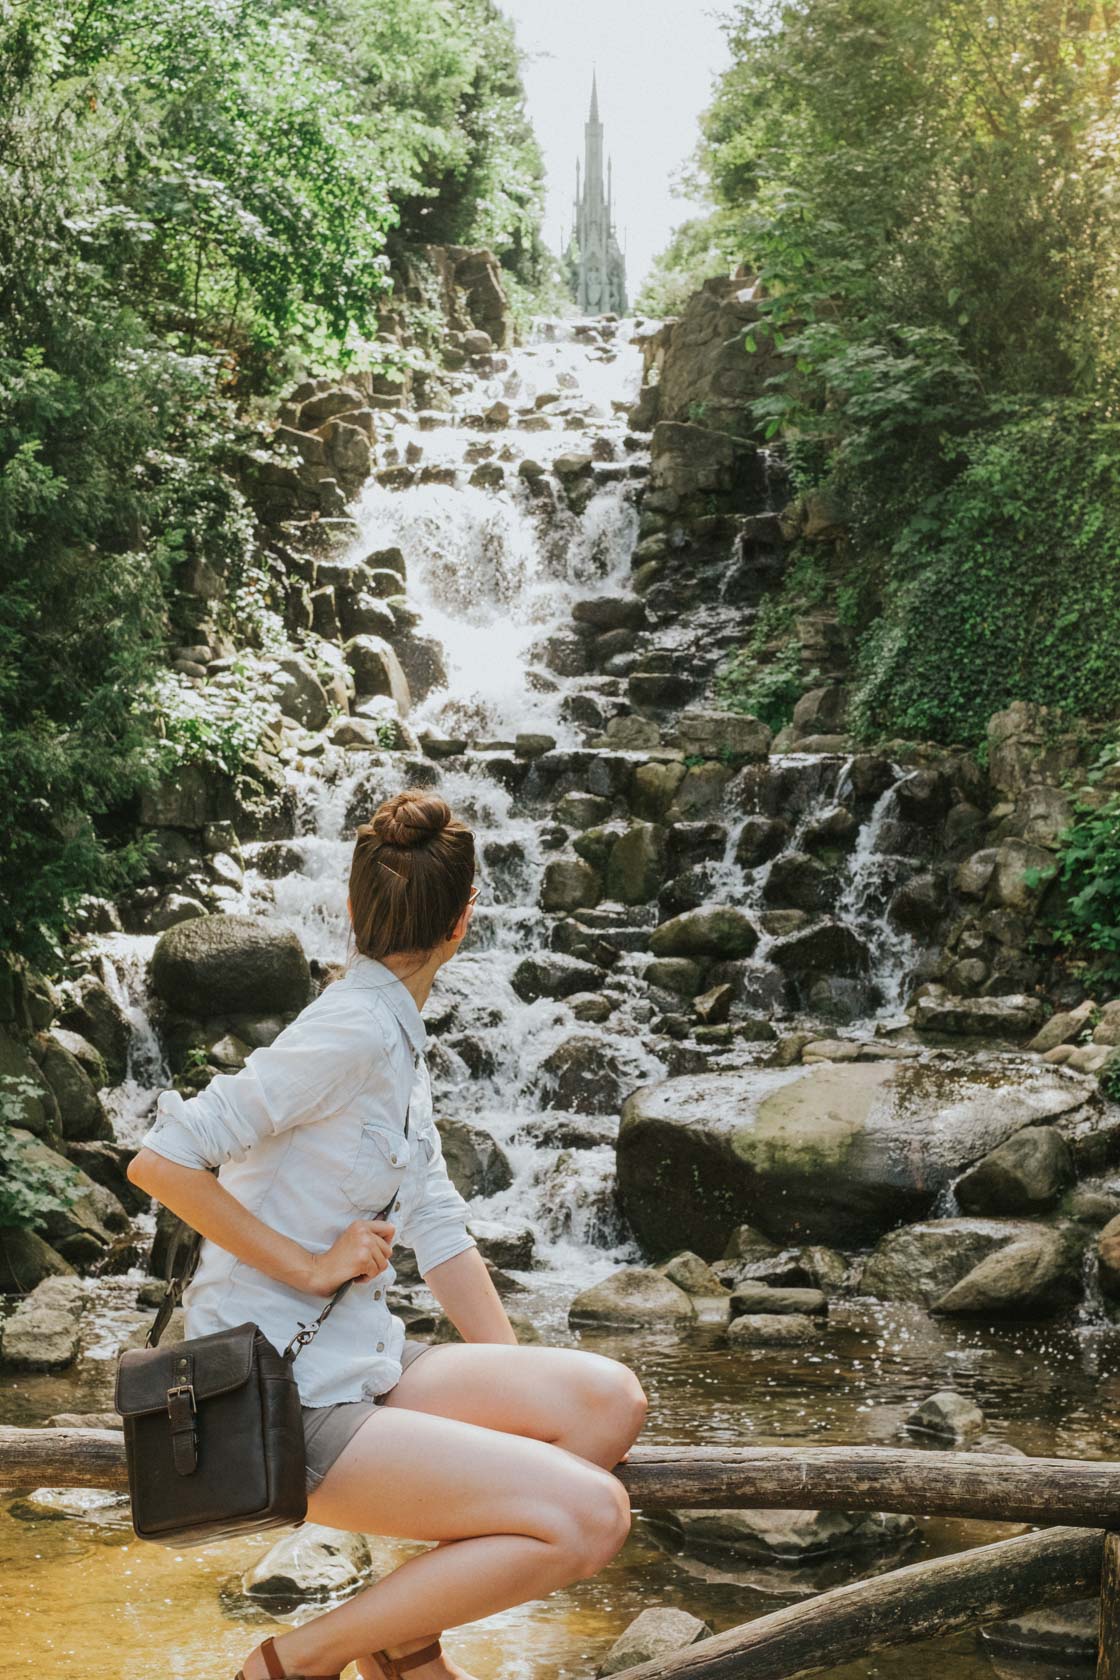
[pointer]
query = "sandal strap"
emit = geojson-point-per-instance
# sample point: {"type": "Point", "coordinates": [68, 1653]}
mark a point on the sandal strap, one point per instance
{"type": "Point", "coordinates": [426, 1653]}
{"type": "Point", "coordinates": [275, 1667]}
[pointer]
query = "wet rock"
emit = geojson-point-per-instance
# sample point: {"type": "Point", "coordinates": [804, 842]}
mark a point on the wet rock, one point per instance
{"type": "Point", "coordinates": [581, 1076]}
{"type": "Point", "coordinates": [551, 974]}
{"type": "Point", "coordinates": [1013, 1017]}
{"type": "Point", "coordinates": [701, 791]}
{"type": "Point", "coordinates": [692, 1274]}
{"type": "Point", "coordinates": [207, 967]}
{"type": "Point", "coordinates": [633, 1295]}
{"type": "Point", "coordinates": [1026, 747]}
{"type": "Point", "coordinates": [771, 1330]}
{"type": "Point", "coordinates": [570, 884]}
{"type": "Point", "coordinates": [1107, 1029]}
{"type": "Point", "coordinates": [825, 947]}
{"type": "Point", "coordinates": [725, 735]}
{"type": "Point", "coordinates": [975, 873]}
{"type": "Point", "coordinates": [1013, 883]}
{"type": "Point", "coordinates": [654, 788]}
{"type": "Point", "coordinates": [476, 1163]}
{"type": "Point", "coordinates": [919, 904]}
{"type": "Point", "coordinates": [636, 864]}
{"type": "Point", "coordinates": [747, 1243]}
{"type": "Point", "coordinates": [377, 670]}
{"type": "Point", "coordinates": [760, 839]}
{"type": "Point", "coordinates": [28, 1100]}
{"type": "Point", "coordinates": [106, 1164]}
{"type": "Point", "coordinates": [653, 1635]}
{"type": "Point", "coordinates": [312, 1564]}
{"type": "Point", "coordinates": [751, 1297]}
{"type": "Point", "coordinates": [80, 1109]}
{"type": "Point", "coordinates": [1040, 1273]}
{"type": "Point", "coordinates": [89, 1008]}
{"type": "Point", "coordinates": [712, 931]}
{"type": "Point", "coordinates": [836, 1153]}
{"type": "Point", "coordinates": [26, 1259]}
{"type": "Point", "coordinates": [626, 733]}
{"type": "Point", "coordinates": [924, 797]}
{"type": "Point", "coordinates": [800, 882]}
{"type": "Point", "coordinates": [714, 1007]}
{"type": "Point", "coordinates": [1059, 1634]}
{"type": "Point", "coordinates": [610, 612]}
{"type": "Point", "coordinates": [1108, 1255]}
{"type": "Point", "coordinates": [790, 1536]}
{"type": "Point", "coordinates": [504, 1245]}
{"type": "Point", "coordinates": [1025, 1174]}
{"type": "Point", "coordinates": [681, 975]}
{"type": "Point", "coordinates": [921, 1263]}
{"type": "Point", "coordinates": [1064, 1028]}
{"type": "Point", "coordinates": [690, 890]}
{"type": "Point", "coordinates": [43, 1333]}
{"type": "Point", "coordinates": [299, 692]}
{"type": "Point", "coordinates": [85, 1505]}
{"type": "Point", "coordinates": [591, 1006]}
{"type": "Point", "coordinates": [832, 832]}
{"type": "Point", "coordinates": [948, 1416]}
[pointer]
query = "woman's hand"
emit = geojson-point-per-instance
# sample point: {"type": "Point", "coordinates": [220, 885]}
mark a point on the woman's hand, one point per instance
{"type": "Point", "coordinates": [362, 1251]}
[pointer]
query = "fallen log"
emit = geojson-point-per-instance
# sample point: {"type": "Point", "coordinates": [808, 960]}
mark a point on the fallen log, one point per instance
{"type": "Point", "coordinates": [1108, 1633]}
{"type": "Point", "coordinates": [922, 1601]}
{"type": "Point", "coordinates": [1047, 1491]}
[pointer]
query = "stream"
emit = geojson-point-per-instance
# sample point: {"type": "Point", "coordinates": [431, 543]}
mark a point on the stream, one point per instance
{"type": "Point", "coordinates": [493, 574]}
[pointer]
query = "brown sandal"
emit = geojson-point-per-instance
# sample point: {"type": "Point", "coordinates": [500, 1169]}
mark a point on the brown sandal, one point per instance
{"type": "Point", "coordinates": [275, 1667]}
{"type": "Point", "coordinates": [393, 1667]}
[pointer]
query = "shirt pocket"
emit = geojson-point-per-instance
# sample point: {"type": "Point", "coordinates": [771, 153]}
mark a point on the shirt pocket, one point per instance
{"type": "Point", "coordinates": [380, 1163]}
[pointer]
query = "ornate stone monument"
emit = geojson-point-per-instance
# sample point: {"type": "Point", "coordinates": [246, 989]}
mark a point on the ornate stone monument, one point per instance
{"type": "Point", "coordinates": [595, 263]}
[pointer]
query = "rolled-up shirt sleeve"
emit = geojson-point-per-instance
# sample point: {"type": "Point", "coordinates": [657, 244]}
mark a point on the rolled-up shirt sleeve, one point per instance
{"type": "Point", "coordinates": [436, 1225]}
{"type": "Point", "coordinates": [309, 1071]}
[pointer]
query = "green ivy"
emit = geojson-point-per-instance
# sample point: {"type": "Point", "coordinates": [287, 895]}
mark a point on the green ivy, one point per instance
{"type": "Point", "coordinates": [29, 1188]}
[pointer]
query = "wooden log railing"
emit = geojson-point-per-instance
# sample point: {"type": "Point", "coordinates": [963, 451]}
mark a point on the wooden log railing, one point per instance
{"type": "Point", "coordinates": [920, 1601]}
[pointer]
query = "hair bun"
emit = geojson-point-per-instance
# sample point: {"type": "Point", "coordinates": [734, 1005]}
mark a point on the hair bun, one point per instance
{"type": "Point", "coordinates": [410, 819]}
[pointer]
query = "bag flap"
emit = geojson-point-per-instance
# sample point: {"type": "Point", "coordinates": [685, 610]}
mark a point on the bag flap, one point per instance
{"type": "Point", "coordinates": [212, 1364]}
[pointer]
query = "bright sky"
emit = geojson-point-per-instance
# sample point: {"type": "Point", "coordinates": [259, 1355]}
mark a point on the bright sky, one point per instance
{"type": "Point", "coordinates": [656, 60]}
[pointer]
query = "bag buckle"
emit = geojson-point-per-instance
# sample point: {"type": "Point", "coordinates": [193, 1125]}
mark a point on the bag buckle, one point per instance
{"type": "Point", "coordinates": [179, 1390]}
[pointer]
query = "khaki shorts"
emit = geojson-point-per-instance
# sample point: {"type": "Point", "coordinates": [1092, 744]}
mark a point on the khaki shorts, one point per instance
{"type": "Point", "coordinates": [327, 1429]}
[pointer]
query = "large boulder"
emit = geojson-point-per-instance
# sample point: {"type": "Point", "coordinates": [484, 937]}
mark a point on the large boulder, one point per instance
{"type": "Point", "coordinates": [653, 1635]}
{"type": "Point", "coordinates": [313, 1564]}
{"type": "Point", "coordinates": [83, 1116]}
{"type": "Point", "coordinates": [580, 1075]}
{"type": "Point", "coordinates": [714, 930]}
{"type": "Point", "coordinates": [85, 1217]}
{"type": "Point", "coordinates": [476, 1163]}
{"type": "Point", "coordinates": [26, 1259]}
{"type": "Point", "coordinates": [825, 947]}
{"type": "Point", "coordinates": [921, 1263]}
{"type": "Point", "coordinates": [791, 1536]}
{"type": "Point", "coordinates": [43, 1333]}
{"type": "Point", "coordinates": [1038, 1274]}
{"type": "Point", "coordinates": [90, 1009]}
{"type": "Point", "coordinates": [835, 1153]}
{"type": "Point", "coordinates": [634, 1295]}
{"type": "Point", "coordinates": [704, 367]}
{"type": "Point", "coordinates": [1025, 1174]}
{"type": "Point", "coordinates": [207, 967]}
{"type": "Point", "coordinates": [28, 1097]}
{"type": "Point", "coordinates": [1013, 1017]}
{"type": "Point", "coordinates": [724, 735]}
{"type": "Point", "coordinates": [377, 670]}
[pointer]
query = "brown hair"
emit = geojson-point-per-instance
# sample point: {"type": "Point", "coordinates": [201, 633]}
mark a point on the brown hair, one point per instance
{"type": "Point", "coordinates": [411, 875]}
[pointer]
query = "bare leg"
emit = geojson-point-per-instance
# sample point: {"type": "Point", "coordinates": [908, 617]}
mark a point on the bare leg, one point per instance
{"type": "Point", "coordinates": [591, 1405]}
{"type": "Point", "coordinates": [528, 1517]}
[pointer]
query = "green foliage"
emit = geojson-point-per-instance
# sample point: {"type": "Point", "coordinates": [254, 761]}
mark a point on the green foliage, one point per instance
{"type": "Point", "coordinates": [927, 192]}
{"type": "Point", "coordinates": [1087, 873]}
{"type": "Point", "coordinates": [194, 198]}
{"type": "Point", "coordinates": [1004, 584]}
{"type": "Point", "coordinates": [1109, 1077]}
{"type": "Point", "coordinates": [29, 1190]}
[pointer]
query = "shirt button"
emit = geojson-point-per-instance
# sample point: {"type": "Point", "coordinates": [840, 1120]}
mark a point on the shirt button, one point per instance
{"type": "Point", "coordinates": [377, 1294]}
{"type": "Point", "coordinates": [380, 1347]}
{"type": "Point", "coordinates": [396, 1205]}
{"type": "Point", "coordinates": [393, 1158]}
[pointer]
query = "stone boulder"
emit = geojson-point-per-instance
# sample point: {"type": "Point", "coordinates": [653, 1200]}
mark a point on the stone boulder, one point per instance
{"type": "Point", "coordinates": [1040, 1273]}
{"type": "Point", "coordinates": [43, 1334]}
{"type": "Point", "coordinates": [725, 735]}
{"type": "Point", "coordinates": [716, 930]}
{"type": "Point", "coordinates": [26, 1259]}
{"type": "Point", "coordinates": [826, 947]}
{"type": "Point", "coordinates": [83, 1116]}
{"type": "Point", "coordinates": [206, 968]}
{"type": "Point", "coordinates": [948, 1416]}
{"type": "Point", "coordinates": [799, 882]}
{"type": "Point", "coordinates": [28, 1098]}
{"type": "Point", "coordinates": [703, 360]}
{"type": "Point", "coordinates": [377, 670]}
{"type": "Point", "coordinates": [835, 1153]}
{"type": "Point", "coordinates": [476, 1163]}
{"type": "Point", "coordinates": [688, 462]}
{"type": "Point", "coordinates": [551, 974]}
{"type": "Point", "coordinates": [653, 1635]}
{"type": "Point", "coordinates": [1027, 746]}
{"type": "Point", "coordinates": [580, 1075]}
{"type": "Point", "coordinates": [633, 1295]}
{"type": "Point", "coordinates": [1025, 1174]}
{"type": "Point", "coordinates": [1014, 1017]}
{"type": "Point", "coordinates": [636, 865]}
{"type": "Point", "coordinates": [89, 1008]}
{"type": "Point", "coordinates": [921, 1263]}
{"type": "Point", "coordinates": [772, 1329]}
{"type": "Point", "coordinates": [300, 694]}
{"type": "Point", "coordinates": [306, 1567]}
{"type": "Point", "coordinates": [570, 884]}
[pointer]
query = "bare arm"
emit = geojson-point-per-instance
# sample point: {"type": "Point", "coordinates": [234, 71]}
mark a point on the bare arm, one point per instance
{"type": "Point", "coordinates": [464, 1290]}
{"type": "Point", "coordinates": [362, 1250]}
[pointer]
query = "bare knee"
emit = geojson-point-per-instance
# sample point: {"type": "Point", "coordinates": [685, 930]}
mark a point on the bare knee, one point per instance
{"type": "Point", "coordinates": [595, 1523]}
{"type": "Point", "coordinates": [614, 1392]}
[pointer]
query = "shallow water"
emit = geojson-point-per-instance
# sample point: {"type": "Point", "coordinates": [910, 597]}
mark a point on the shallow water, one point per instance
{"type": "Point", "coordinates": [1046, 1391]}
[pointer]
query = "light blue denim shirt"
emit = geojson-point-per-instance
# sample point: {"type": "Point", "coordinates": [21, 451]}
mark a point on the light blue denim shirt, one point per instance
{"type": "Point", "coordinates": [309, 1135]}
